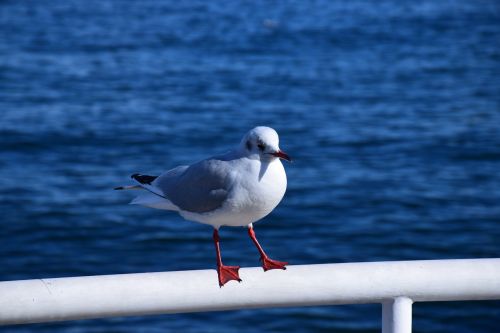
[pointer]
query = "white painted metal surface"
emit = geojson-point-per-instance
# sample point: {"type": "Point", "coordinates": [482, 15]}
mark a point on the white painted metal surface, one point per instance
{"type": "Point", "coordinates": [394, 284]}
{"type": "Point", "coordinates": [397, 315]}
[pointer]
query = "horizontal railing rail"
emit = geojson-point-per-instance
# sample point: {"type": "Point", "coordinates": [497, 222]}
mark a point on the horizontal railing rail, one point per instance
{"type": "Point", "coordinates": [396, 285]}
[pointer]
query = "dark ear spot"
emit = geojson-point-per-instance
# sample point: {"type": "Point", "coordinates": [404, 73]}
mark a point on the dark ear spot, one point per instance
{"type": "Point", "coordinates": [249, 145]}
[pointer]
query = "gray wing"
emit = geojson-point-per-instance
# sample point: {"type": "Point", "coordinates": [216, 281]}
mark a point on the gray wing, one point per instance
{"type": "Point", "coordinates": [199, 188]}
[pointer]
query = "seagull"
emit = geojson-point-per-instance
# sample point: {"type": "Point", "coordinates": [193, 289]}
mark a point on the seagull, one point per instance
{"type": "Point", "coordinates": [234, 189]}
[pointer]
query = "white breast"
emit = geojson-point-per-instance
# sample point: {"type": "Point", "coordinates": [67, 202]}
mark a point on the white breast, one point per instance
{"type": "Point", "coordinates": [256, 192]}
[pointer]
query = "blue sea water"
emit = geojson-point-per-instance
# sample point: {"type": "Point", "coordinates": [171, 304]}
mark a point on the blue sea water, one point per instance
{"type": "Point", "coordinates": [391, 110]}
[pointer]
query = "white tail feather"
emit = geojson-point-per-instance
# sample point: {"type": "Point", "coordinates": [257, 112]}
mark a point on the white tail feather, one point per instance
{"type": "Point", "coordinates": [154, 201]}
{"type": "Point", "coordinates": [131, 187]}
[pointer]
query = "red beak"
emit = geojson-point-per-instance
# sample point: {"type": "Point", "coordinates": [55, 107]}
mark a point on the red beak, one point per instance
{"type": "Point", "coordinates": [283, 155]}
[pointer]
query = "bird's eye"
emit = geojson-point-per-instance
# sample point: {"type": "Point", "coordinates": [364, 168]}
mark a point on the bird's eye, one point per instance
{"type": "Point", "coordinates": [261, 146]}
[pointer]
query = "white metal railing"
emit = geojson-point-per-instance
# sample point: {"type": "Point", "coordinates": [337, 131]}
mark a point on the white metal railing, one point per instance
{"type": "Point", "coordinates": [396, 285]}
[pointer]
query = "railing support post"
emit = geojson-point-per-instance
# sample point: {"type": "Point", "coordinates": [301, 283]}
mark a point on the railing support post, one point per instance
{"type": "Point", "coordinates": [397, 315]}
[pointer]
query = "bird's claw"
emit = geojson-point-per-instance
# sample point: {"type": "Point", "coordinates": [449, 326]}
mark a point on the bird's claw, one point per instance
{"type": "Point", "coordinates": [228, 273]}
{"type": "Point", "coordinates": [268, 264]}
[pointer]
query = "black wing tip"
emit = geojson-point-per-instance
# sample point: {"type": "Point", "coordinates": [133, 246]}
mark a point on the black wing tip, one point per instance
{"type": "Point", "coordinates": [143, 179]}
{"type": "Point", "coordinates": [119, 188]}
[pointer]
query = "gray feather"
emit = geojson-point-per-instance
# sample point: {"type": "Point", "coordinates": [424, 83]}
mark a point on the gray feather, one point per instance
{"type": "Point", "coordinates": [199, 188]}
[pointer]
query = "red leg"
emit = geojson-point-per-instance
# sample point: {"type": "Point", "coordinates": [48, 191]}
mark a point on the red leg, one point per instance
{"type": "Point", "coordinates": [225, 273]}
{"type": "Point", "coordinates": [267, 263]}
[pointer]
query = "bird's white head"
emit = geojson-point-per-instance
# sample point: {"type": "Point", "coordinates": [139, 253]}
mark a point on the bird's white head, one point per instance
{"type": "Point", "coordinates": [263, 143]}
